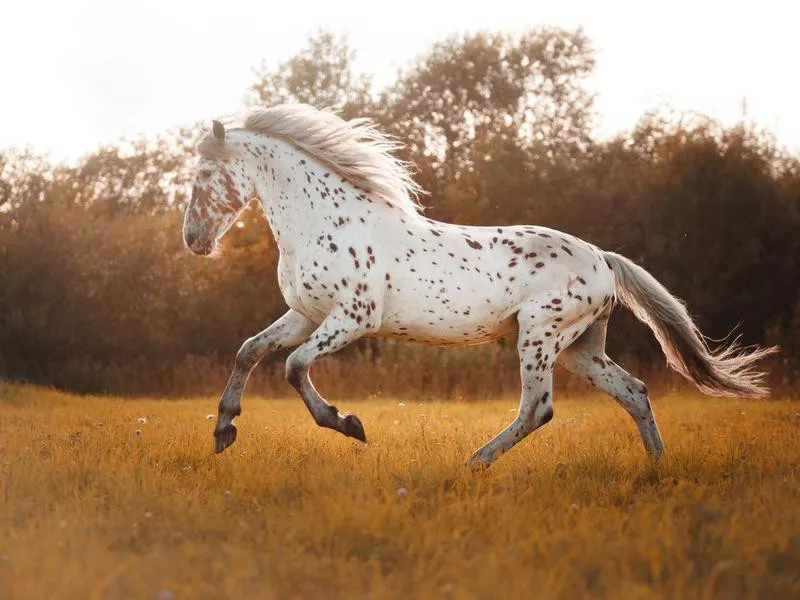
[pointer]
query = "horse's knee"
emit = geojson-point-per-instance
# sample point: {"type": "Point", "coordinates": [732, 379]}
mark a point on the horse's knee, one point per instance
{"type": "Point", "coordinates": [251, 352]}
{"type": "Point", "coordinates": [248, 355]}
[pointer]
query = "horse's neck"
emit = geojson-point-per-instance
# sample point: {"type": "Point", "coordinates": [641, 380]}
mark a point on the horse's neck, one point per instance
{"type": "Point", "coordinates": [295, 194]}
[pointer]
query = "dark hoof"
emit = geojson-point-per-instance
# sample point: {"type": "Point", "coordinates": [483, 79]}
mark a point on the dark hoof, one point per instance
{"type": "Point", "coordinates": [224, 438]}
{"type": "Point", "coordinates": [353, 427]}
{"type": "Point", "coordinates": [479, 462]}
{"type": "Point", "coordinates": [478, 466]}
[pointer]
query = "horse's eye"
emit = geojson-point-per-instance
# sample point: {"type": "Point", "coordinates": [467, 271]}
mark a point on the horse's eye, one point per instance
{"type": "Point", "coordinates": [205, 174]}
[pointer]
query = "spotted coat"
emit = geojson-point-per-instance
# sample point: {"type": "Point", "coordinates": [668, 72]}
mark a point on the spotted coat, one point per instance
{"type": "Point", "coordinates": [354, 264]}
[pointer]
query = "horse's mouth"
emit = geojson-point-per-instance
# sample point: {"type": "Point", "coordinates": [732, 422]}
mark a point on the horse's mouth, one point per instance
{"type": "Point", "coordinates": [202, 248]}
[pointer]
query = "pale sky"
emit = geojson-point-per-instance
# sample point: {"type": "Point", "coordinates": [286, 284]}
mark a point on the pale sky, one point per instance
{"type": "Point", "coordinates": [76, 73]}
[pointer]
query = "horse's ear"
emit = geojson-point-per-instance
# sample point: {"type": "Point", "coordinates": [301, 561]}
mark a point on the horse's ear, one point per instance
{"type": "Point", "coordinates": [218, 129]}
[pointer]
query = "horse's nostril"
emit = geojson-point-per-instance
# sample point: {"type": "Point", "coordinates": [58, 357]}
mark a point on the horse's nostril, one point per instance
{"type": "Point", "coordinates": [190, 238]}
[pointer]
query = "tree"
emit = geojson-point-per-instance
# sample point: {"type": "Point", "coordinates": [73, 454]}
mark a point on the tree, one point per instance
{"type": "Point", "coordinates": [524, 89]}
{"type": "Point", "coordinates": [321, 75]}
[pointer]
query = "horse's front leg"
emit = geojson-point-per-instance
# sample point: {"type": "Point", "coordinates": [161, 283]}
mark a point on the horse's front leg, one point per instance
{"type": "Point", "coordinates": [290, 330]}
{"type": "Point", "coordinates": [339, 329]}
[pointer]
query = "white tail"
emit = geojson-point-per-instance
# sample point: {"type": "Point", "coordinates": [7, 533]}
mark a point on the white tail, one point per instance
{"type": "Point", "coordinates": [726, 371]}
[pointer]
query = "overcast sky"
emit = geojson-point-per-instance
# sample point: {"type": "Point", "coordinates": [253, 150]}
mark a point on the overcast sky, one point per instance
{"type": "Point", "coordinates": [81, 72]}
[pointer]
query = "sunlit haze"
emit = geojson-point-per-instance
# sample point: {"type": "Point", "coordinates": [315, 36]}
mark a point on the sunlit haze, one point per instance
{"type": "Point", "coordinates": [79, 73]}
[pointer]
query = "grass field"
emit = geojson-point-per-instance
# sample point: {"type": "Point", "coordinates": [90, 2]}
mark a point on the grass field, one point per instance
{"type": "Point", "coordinates": [89, 508]}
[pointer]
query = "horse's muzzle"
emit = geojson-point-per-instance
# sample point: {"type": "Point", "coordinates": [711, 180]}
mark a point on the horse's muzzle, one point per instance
{"type": "Point", "coordinates": [197, 245]}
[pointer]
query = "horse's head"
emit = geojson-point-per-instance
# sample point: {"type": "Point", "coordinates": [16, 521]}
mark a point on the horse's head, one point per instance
{"type": "Point", "coordinates": [222, 188]}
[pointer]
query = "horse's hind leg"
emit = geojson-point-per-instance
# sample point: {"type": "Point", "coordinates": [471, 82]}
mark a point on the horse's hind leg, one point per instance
{"type": "Point", "coordinates": [537, 354]}
{"type": "Point", "coordinates": [586, 358]}
{"type": "Point", "coordinates": [290, 330]}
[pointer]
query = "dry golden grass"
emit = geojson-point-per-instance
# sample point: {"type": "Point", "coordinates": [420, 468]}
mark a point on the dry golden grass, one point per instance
{"type": "Point", "coordinates": [89, 509]}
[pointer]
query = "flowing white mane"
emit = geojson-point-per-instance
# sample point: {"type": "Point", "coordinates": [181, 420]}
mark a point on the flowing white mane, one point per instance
{"type": "Point", "coordinates": [354, 149]}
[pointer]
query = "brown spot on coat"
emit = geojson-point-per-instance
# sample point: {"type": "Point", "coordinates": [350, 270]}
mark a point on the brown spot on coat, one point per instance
{"type": "Point", "coordinates": [473, 244]}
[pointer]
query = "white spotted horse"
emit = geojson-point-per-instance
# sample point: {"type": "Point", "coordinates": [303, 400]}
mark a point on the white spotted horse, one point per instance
{"type": "Point", "coordinates": [357, 258]}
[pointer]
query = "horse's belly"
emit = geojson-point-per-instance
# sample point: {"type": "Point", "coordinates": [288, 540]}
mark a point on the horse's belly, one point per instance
{"type": "Point", "coordinates": [451, 332]}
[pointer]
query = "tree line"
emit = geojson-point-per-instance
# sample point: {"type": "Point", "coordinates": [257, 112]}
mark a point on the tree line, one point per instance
{"type": "Point", "coordinates": [99, 295]}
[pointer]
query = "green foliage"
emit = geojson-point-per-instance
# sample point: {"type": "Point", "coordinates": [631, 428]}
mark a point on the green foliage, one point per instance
{"type": "Point", "coordinates": [98, 293]}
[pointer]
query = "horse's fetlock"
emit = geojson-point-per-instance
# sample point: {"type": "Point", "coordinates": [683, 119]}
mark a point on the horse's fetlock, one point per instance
{"type": "Point", "coordinates": [327, 417]}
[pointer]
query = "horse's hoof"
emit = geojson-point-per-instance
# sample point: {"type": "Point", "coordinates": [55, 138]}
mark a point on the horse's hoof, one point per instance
{"type": "Point", "coordinates": [353, 427]}
{"type": "Point", "coordinates": [224, 437]}
{"type": "Point", "coordinates": [478, 463]}
{"type": "Point", "coordinates": [478, 466]}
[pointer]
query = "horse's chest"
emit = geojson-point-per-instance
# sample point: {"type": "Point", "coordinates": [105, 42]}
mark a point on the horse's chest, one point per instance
{"type": "Point", "coordinates": [307, 286]}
